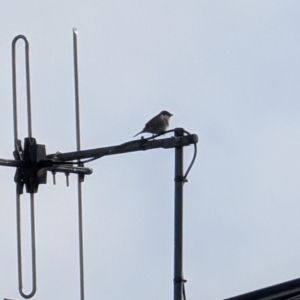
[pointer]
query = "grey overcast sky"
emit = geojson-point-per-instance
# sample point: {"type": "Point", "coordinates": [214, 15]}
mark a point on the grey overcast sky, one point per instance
{"type": "Point", "coordinates": [228, 71]}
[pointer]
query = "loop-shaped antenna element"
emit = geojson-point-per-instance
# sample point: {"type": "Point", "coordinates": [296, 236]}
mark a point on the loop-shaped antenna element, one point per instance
{"type": "Point", "coordinates": [33, 256]}
{"type": "Point", "coordinates": [14, 82]}
{"type": "Point", "coordinates": [19, 156]}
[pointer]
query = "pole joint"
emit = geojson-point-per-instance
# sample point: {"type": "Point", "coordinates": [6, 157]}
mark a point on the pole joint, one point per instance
{"type": "Point", "coordinates": [180, 179]}
{"type": "Point", "coordinates": [179, 280]}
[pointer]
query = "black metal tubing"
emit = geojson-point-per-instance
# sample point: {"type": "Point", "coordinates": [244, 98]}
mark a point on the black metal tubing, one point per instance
{"type": "Point", "coordinates": [138, 145]}
{"type": "Point", "coordinates": [10, 162]}
{"type": "Point", "coordinates": [16, 143]}
{"type": "Point", "coordinates": [71, 169]}
{"type": "Point", "coordinates": [178, 220]}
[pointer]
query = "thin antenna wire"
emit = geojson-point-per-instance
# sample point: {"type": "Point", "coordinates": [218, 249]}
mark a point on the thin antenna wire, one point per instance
{"type": "Point", "coordinates": [80, 222]}
{"type": "Point", "coordinates": [18, 208]}
{"type": "Point", "coordinates": [76, 88]}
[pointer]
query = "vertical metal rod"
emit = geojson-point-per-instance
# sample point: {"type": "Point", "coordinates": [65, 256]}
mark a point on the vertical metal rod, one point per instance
{"type": "Point", "coordinates": [178, 222]}
{"type": "Point", "coordinates": [80, 222]}
{"type": "Point", "coordinates": [18, 208]}
{"type": "Point", "coordinates": [76, 85]}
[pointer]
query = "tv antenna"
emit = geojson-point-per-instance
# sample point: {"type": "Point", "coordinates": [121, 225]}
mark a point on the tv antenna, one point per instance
{"type": "Point", "coordinates": [32, 164]}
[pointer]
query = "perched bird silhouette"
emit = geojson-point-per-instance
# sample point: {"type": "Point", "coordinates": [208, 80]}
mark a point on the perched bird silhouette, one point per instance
{"type": "Point", "coordinates": [157, 124]}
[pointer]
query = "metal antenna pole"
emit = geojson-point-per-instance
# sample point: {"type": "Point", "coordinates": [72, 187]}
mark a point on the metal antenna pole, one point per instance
{"type": "Point", "coordinates": [178, 220]}
{"type": "Point", "coordinates": [80, 178]}
{"type": "Point", "coordinates": [17, 145]}
{"type": "Point", "coordinates": [32, 165]}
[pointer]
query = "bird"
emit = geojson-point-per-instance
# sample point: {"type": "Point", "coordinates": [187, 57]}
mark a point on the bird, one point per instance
{"type": "Point", "coordinates": [157, 124]}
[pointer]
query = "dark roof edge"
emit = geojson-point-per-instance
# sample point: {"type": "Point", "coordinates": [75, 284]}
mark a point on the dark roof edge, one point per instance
{"type": "Point", "coordinates": [275, 292]}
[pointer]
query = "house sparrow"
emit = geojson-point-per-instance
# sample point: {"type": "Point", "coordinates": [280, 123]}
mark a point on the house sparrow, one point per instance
{"type": "Point", "coordinates": [157, 124]}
